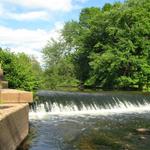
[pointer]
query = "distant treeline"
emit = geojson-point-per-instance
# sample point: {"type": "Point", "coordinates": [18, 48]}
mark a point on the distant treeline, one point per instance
{"type": "Point", "coordinates": [108, 47]}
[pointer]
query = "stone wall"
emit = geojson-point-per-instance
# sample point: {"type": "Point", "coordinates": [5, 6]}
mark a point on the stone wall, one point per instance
{"type": "Point", "coordinates": [15, 96]}
{"type": "Point", "coordinates": [14, 125]}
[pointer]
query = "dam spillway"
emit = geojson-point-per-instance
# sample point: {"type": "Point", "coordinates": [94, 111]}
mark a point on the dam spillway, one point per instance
{"type": "Point", "coordinates": [105, 103]}
{"type": "Point", "coordinates": [72, 120]}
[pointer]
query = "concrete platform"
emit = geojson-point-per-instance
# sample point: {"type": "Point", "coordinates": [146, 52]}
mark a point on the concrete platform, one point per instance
{"type": "Point", "coordinates": [15, 96]}
{"type": "Point", "coordinates": [13, 125]}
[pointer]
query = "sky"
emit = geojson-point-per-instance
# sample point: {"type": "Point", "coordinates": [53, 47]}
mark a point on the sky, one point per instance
{"type": "Point", "coordinates": [27, 25]}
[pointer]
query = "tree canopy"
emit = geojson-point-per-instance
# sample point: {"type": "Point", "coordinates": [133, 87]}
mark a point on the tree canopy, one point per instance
{"type": "Point", "coordinates": [112, 45]}
{"type": "Point", "coordinates": [20, 70]}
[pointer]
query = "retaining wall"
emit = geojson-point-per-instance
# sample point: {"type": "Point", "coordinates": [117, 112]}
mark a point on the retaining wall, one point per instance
{"type": "Point", "coordinates": [15, 96]}
{"type": "Point", "coordinates": [14, 125]}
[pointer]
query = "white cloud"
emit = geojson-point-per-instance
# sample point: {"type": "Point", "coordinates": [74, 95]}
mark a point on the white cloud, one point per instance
{"type": "Point", "coordinates": [35, 9]}
{"type": "Point", "coordinates": [1, 10]}
{"type": "Point", "coordinates": [35, 15]}
{"type": "Point", "coordinates": [28, 41]}
{"type": "Point", "coordinates": [52, 5]}
{"type": "Point", "coordinates": [82, 1]}
{"type": "Point", "coordinates": [31, 15]}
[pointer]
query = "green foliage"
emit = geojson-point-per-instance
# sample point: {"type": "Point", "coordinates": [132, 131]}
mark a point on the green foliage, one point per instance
{"type": "Point", "coordinates": [112, 45]}
{"type": "Point", "coordinates": [107, 47]}
{"type": "Point", "coordinates": [21, 71]}
{"type": "Point", "coordinates": [59, 70]}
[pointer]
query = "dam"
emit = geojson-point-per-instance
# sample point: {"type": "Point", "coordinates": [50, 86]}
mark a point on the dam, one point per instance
{"type": "Point", "coordinates": [90, 121]}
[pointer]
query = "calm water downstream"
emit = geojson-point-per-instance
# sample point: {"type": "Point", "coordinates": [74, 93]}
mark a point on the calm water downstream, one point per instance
{"type": "Point", "coordinates": [82, 121]}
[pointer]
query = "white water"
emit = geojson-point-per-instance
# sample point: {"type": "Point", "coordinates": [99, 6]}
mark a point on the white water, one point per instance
{"type": "Point", "coordinates": [60, 110]}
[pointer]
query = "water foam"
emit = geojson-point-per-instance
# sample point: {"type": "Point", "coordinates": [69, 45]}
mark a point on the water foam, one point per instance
{"type": "Point", "coordinates": [73, 110]}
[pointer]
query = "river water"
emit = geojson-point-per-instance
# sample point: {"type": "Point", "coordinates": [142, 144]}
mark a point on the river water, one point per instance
{"type": "Point", "coordinates": [85, 121]}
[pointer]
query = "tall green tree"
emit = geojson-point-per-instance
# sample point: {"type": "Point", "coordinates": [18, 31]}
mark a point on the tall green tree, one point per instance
{"type": "Point", "coordinates": [112, 45]}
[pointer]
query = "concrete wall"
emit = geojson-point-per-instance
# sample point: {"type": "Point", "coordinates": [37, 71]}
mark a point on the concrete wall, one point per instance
{"type": "Point", "coordinates": [13, 125]}
{"type": "Point", "coordinates": [15, 96]}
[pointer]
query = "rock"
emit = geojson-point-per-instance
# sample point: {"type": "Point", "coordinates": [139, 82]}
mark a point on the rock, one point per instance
{"type": "Point", "coordinates": [142, 138]}
{"type": "Point", "coordinates": [143, 130]}
{"type": "Point", "coordinates": [83, 129]}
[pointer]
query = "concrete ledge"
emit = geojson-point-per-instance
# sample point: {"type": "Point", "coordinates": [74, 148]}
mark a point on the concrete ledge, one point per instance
{"type": "Point", "coordinates": [13, 125]}
{"type": "Point", "coordinates": [15, 96]}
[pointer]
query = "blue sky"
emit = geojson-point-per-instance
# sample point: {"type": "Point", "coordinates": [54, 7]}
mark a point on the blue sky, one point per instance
{"type": "Point", "coordinates": [27, 25]}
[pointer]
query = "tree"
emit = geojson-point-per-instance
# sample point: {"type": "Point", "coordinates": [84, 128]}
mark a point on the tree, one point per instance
{"type": "Point", "coordinates": [59, 70]}
{"type": "Point", "coordinates": [111, 45]}
{"type": "Point", "coordinates": [81, 41]}
{"type": "Point", "coordinates": [19, 70]}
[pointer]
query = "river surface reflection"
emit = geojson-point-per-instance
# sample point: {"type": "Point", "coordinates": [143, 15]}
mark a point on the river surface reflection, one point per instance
{"type": "Point", "coordinates": [91, 132]}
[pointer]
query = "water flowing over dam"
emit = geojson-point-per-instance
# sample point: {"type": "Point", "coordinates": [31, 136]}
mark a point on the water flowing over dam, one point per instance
{"type": "Point", "coordinates": [84, 121]}
{"type": "Point", "coordinates": [83, 103]}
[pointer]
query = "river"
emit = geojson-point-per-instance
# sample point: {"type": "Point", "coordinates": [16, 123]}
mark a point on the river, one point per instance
{"type": "Point", "coordinates": [85, 121]}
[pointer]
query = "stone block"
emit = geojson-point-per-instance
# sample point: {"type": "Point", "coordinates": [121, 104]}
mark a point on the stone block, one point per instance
{"type": "Point", "coordinates": [15, 96]}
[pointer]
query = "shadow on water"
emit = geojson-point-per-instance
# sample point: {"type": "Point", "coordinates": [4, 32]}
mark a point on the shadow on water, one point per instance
{"type": "Point", "coordinates": [65, 121]}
